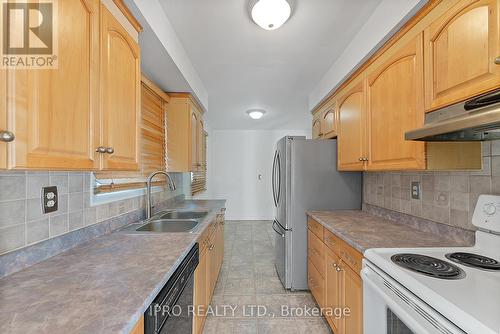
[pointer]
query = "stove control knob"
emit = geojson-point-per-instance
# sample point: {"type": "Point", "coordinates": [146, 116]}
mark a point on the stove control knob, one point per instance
{"type": "Point", "coordinates": [489, 209]}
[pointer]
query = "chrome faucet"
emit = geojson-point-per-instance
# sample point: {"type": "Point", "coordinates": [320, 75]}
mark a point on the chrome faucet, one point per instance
{"type": "Point", "coordinates": [171, 186]}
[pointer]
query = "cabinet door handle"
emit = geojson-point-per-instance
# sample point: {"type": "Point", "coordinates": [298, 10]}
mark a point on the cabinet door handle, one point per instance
{"type": "Point", "coordinates": [211, 247]}
{"type": "Point", "coordinates": [334, 265]}
{"type": "Point", "coordinates": [360, 159]}
{"type": "Point", "coordinates": [7, 136]}
{"type": "Point", "coordinates": [497, 60]}
{"type": "Point", "coordinates": [101, 149]}
{"type": "Point", "coordinates": [338, 269]}
{"type": "Point", "coordinates": [110, 150]}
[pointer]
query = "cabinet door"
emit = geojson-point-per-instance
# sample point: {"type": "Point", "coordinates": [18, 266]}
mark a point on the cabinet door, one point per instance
{"type": "Point", "coordinates": [316, 283]}
{"type": "Point", "coordinates": [351, 140]}
{"type": "Point", "coordinates": [3, 118]}
{"type": "Point", "coordinates": [52, 111]}
{"type": "Point", "coordinates": [329, 123]}
{"type": "Point", "coordinates": [316, 129]}
{"type": "Point", "coordinates": [194, 141]}
{"type": "Point", "coordinates": [460, 51]}
{"type": "Point", "coordinates": [120, 95]}
{"type": "Point", "coordinates": [200, 294]}
{"type": "Point", "coordinates": [395, 105]}
{"type": "Point", "coordinates": [211, 266]}
{"type": "Point", "coordinates": [199, 146]}
{"type": "Point", "coordinates": [353, 300]}
{"type": "Point", "coordinates": [332, 287]}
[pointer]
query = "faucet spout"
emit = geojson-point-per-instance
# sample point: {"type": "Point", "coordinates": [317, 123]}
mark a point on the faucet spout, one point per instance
{"type": "Point", "coordinates": [171, 186]}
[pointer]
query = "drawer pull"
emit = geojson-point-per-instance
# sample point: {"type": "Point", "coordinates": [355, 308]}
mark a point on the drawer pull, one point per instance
{"type": "Point", "coordinates": [497, 60]}
{"type": "Point", "coordinates": [330, 241]}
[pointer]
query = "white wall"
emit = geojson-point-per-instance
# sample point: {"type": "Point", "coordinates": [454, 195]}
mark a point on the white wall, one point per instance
{"type": "Point", "coordinates": [235, 160]}
{"type": "Point", "coordinates": [388, 17]}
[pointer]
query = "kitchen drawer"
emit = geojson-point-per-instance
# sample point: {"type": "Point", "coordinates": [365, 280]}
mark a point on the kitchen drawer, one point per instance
{"type": "Point", "coordinates": [316, 252]}
{"type": "Point", "coordinates": [316, 227]}
{"type": "Point", "coordinates": [204, 237]}
{"type": "Point", "coordinates": [351, 257]}
{"type": "Point", "coordinates": [316, 283]}
{"type": "Point", "coordinates": [332, 241]}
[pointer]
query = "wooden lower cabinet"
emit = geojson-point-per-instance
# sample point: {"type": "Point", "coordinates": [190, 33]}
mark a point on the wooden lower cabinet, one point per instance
{"type": "Point", "coordinates": [139, 326]}
{"type": "Point", "coordinates": [205, 277]}
{"type": "Point", "coordinates": [332, 291]}
{"type": "Point", "coordinates": [339, 290]}
{"type": "Point", "coordinates": [352, 298]}
{"type": "Point", "coordinates": [200, 294]}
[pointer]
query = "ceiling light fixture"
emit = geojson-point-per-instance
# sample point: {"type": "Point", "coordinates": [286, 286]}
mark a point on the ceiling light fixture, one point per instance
{"type": "Point", "coordinates": [256, 113]}
{"type": "Point", "coordinates": [271, 14]}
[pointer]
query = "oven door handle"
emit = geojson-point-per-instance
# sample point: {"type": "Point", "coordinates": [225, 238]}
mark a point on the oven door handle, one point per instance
{"type": "Point", "coordinates": [407, 308]}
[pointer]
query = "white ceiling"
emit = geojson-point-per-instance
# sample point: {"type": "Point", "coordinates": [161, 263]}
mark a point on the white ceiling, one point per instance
{"type": "Point", "coordinates": [243, 66]}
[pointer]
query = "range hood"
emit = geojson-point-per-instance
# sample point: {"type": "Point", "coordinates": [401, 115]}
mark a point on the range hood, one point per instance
{"type": "Point", "coordinates": [474, 120]}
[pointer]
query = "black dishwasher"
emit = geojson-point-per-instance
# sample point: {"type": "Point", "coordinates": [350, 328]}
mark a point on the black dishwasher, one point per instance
{"type": "Point", "coordinates": [171, 311]}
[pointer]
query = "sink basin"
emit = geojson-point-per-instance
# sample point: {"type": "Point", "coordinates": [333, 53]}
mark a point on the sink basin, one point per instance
{"type": "Point", "coordinates": [169, 226]}
{"type": "Point", "coordinates": [182, 215]}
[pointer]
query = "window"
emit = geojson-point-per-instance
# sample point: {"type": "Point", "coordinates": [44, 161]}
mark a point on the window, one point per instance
{"type": "Point", "coordinates": [199, 178]}
{"type": "Point", "coordinates": [152, 148]}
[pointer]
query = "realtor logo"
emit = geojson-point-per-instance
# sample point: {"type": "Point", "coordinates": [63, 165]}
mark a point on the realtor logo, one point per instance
{"type": "Point", "coordinates": [29, 38]}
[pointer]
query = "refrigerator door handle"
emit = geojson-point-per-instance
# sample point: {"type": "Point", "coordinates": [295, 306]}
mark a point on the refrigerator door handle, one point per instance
{"type": "Point", "coordinates": [274, 179]}
{"type": "Point", "coordinates": [274, 228]}
{"type": "Point", "coordinates": [281, 226]}
{"type": "Point", "coordinates": [278, 193]}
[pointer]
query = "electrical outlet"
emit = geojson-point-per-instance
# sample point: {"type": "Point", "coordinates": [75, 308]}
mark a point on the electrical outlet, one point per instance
{"type": "Point", "coordinates": [49, 199]}
{"type": "Point", "coordinates": [415, 190]}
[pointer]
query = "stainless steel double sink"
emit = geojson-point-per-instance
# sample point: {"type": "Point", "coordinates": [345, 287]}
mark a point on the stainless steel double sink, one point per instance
{"type": "Point", "coordinates": [173, 221]}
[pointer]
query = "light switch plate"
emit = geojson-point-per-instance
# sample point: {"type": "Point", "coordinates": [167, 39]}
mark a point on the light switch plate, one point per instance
{"type": "Point", "coordinates": [415, 190]}
{"type": "Point", "coordinates": [49, 199]}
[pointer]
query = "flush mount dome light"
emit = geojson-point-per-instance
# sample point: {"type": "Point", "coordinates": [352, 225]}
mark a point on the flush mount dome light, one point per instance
{"type": "Point", "coordinates": [271, 14]}
{"type": "Point", "coordinates": [256, 113]}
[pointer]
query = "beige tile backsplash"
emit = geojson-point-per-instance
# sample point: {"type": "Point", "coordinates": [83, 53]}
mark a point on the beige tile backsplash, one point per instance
{"type": "Point", "coordinates": [447, 197]}
{"type": "Point", "coordinates": [22, 222]}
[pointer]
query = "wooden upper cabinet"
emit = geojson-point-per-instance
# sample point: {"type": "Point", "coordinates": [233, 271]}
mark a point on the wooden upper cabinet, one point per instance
{"type": "Point", "coordinates": [3, 118]}
{"type": "Point", "coordinates": [316, 128]}
{"type": "Point", "coordinates": [395, 105]}
{"type": "Point", "coordinates": [200, 144]}
{"type": "Point", "coordinates": [329, 121]}
{"type": "Point", "coordinates": [184, 133]}
{"type": "Point", "coordinates": [52, 111]}
{"type": "Point", "coordinates": [460, 51]}
{"type": "Point", "coordinates": [351, 142]}
{"type": "Point", "coordinates": [194, 141]}
{"type": "Point", "coordinates": [120, 95]}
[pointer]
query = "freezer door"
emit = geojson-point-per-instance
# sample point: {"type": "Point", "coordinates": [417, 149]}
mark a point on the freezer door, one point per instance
{"type": "Point", "coordinates": [280, 256]}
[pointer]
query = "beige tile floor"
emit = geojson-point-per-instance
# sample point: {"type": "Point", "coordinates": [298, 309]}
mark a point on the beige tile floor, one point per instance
{"type": "Point", "coordinates": [248, 278]}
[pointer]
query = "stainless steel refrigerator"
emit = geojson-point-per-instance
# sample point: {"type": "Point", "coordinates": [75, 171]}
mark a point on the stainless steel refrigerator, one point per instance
{"type": "Point", "coordinates": [305, 177]}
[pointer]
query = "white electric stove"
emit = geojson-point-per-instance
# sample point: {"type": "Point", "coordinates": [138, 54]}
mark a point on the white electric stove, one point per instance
{"type": "Point", "coordinates": [437, 290]}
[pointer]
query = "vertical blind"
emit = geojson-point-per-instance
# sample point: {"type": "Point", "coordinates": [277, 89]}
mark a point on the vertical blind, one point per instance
{"type": "Point", "coordinates": [152, 147]}
{"type": "Point", "coordinates": [199, 178]}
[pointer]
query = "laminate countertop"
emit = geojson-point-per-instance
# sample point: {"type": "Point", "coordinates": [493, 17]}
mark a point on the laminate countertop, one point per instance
{"type": "Point", "coordinates": [101, 286]}
{"type": "Point", "coordinates": [363, 231]}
